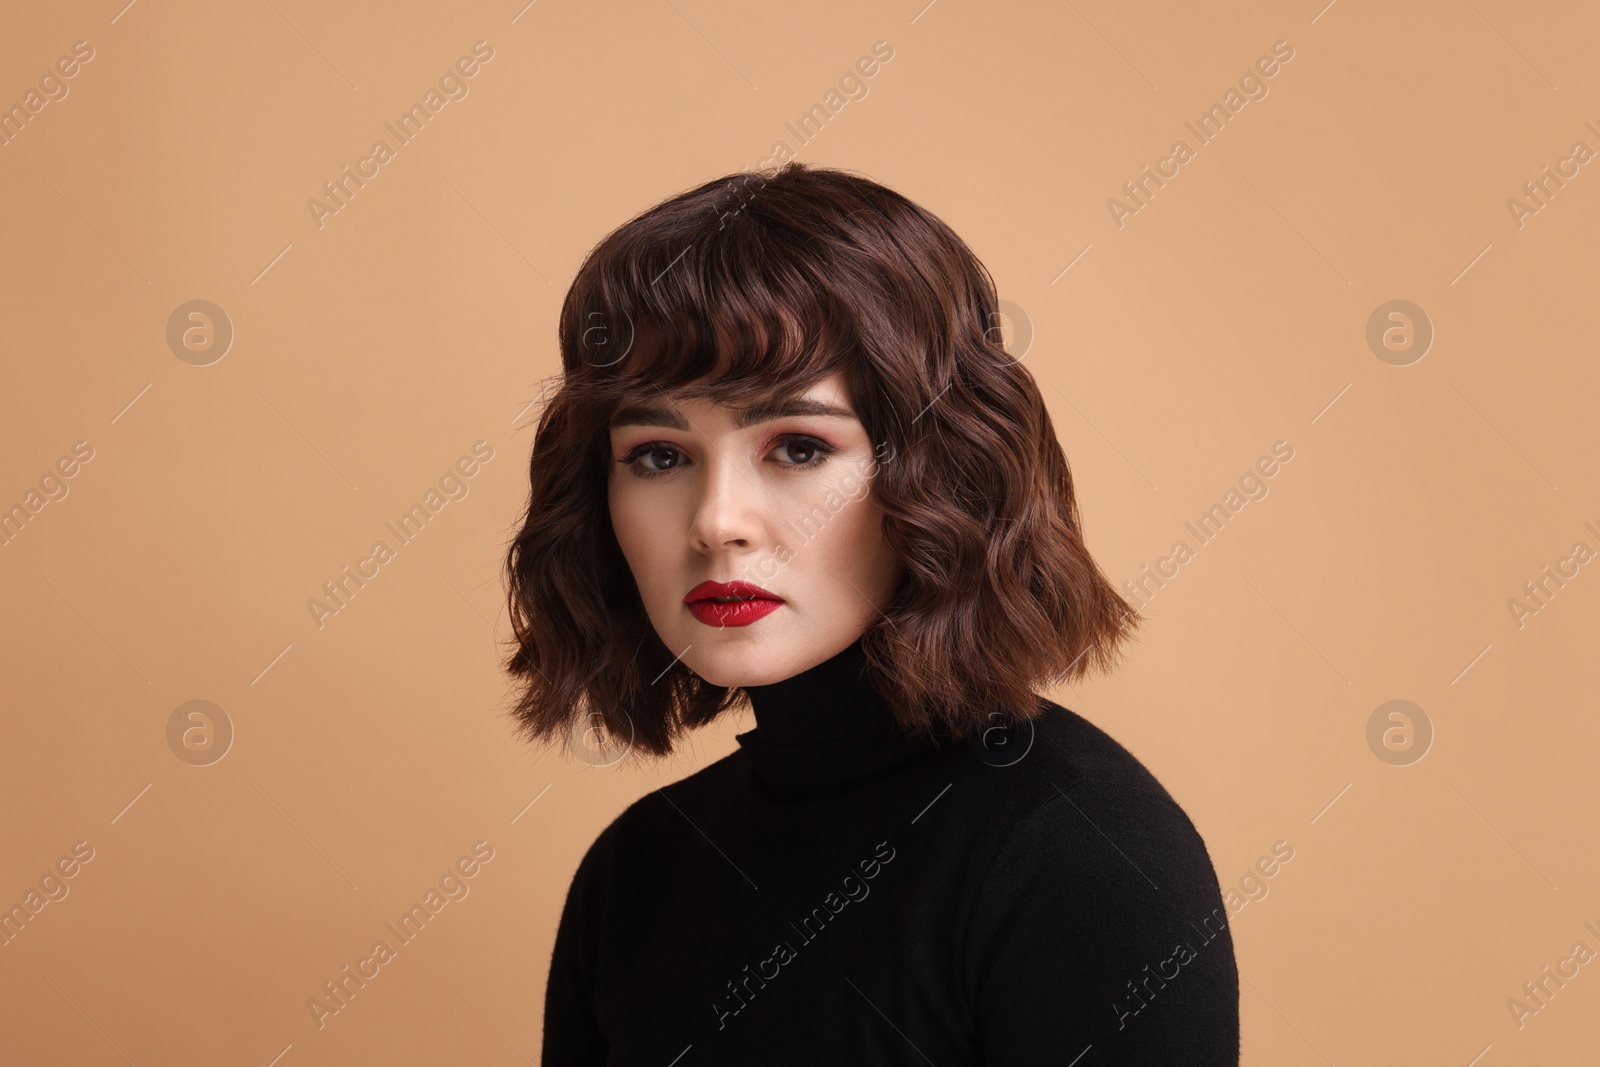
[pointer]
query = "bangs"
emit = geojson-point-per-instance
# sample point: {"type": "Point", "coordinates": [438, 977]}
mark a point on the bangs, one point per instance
{"type": "Point", "coordinates": [735, 313]}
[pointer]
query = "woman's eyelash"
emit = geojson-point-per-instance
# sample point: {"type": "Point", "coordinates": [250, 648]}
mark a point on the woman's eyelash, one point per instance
{"type": "Point", "coordinates": [821, 449]}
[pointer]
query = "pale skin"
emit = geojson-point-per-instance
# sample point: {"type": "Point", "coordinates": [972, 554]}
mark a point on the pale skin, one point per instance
{"type": "Point", "coordinates": [783, 503]}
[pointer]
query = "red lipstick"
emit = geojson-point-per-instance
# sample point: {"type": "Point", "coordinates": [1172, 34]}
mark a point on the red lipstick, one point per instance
{"type": "Point", "coordinates": [724, 604]}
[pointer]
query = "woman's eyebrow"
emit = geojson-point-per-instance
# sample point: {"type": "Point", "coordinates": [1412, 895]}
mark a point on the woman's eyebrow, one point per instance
{"type": "Point", "coordinates": [648, 415]}
{"type": "Point", "coordinates": [778, 409]}
{"type": "Point", "coordinates": [656, 415]}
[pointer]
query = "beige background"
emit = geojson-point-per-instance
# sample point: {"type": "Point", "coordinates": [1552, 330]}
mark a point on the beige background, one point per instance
{"type": "Point", "coordinates": [369, 354]}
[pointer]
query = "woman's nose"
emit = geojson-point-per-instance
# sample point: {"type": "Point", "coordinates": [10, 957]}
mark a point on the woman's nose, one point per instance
{"type": "Point", "coordinates": [727, 510]}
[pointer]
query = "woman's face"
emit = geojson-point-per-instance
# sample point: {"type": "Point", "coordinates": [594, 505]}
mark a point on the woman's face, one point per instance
{"type": "Point", "coordinates": [776, 497]}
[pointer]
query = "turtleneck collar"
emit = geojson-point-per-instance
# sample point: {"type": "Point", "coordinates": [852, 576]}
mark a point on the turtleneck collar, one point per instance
{"type": "Point", "coordinates": [826, 728]}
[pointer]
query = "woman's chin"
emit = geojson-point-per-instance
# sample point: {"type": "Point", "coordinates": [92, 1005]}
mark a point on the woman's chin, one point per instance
{"type": "Point", "coordinates": [745, 666]}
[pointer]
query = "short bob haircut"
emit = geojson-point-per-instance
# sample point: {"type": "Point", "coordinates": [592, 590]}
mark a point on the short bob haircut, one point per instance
{"type": "Point", "coordinates": [752, 287]}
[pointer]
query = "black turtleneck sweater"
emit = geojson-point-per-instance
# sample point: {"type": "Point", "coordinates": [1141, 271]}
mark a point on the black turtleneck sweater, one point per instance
{"type": "Point", "coordinates": [836, 892]}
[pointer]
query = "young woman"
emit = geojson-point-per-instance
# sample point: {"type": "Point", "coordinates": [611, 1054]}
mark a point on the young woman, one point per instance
{"type": "Point", "coordinates": [791, 466]}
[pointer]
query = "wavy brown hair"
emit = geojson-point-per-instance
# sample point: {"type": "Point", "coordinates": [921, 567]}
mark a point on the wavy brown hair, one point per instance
{"type": "Point", "coordinates": [752, 287]}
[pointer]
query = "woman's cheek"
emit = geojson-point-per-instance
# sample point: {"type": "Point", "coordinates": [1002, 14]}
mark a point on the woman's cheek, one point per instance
{"type": "Point", "coordinates": [625, 522]}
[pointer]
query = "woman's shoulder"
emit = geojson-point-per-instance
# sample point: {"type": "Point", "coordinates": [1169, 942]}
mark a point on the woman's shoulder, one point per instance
{"type": "Point", "coordinates": [1096, 881]}
{"type": "Point", "coordinates": [1068, 793]}
{"type": "Point", "coordinates": [650, 821]}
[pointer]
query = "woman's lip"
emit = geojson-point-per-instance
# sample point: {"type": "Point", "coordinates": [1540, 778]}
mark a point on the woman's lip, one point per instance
{"type": "Point", "coordinates": [733, 613]}
{"type": "Point", "coordinates": [743, 590]}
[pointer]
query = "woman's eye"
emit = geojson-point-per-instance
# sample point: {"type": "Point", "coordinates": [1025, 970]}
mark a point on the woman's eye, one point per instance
{"type": "Point", "coordinates": [664, 458]}
{"type": "Point", "coordinates": [652, 459]}
{"type": "Point", "coordinates": [799, 452]}
{"type": "Point", "coordinates": [803, 451]}
{"type": "Point", "coordinates": [795, 453]}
